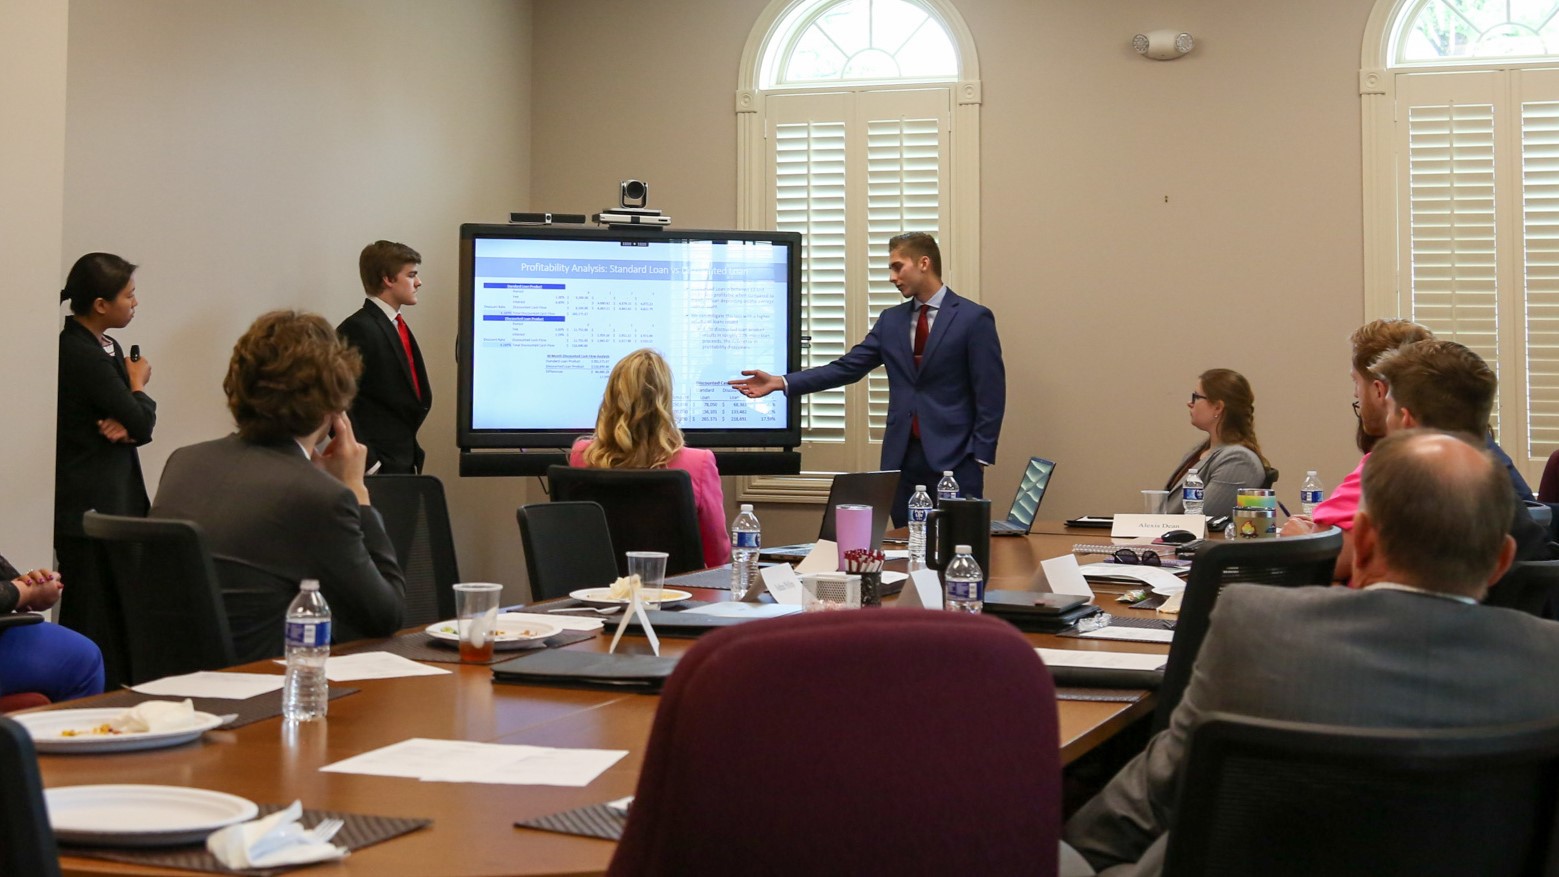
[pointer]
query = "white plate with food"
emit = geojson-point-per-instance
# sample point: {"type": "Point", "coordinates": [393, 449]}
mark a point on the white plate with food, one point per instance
{"type": "Point", "coordinates": [88, 730]}
{"type": "Point", "coordinates": [603, 596]}
{"type": "Point", "coordinates": [142, 816]}
{"type": "Point", "coordinates": [510, 633]}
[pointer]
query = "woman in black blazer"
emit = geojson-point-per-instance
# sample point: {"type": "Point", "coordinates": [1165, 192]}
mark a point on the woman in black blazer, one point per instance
{"type": "Point", "coordinates": [103, 415]}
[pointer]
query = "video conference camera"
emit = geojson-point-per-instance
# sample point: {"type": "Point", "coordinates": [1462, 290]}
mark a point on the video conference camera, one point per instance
{"type": "Point", "coordinates": [633, 193]}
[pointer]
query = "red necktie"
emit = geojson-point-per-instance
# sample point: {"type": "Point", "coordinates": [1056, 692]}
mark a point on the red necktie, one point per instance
{"type": "Point", "coordinates": [411, 362]}
{"type": "Point", "coordinates": [922, 329]}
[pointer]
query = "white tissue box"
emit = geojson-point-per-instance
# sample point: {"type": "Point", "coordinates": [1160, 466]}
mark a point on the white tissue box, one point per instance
{"type": "Point", "coordinates": [831, 590]}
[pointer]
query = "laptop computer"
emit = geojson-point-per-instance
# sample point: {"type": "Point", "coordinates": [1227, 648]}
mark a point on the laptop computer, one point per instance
{"type": "Point", "coordinates": [1031, 491]}
{"type": "Point", "coordinates": [875, 489]}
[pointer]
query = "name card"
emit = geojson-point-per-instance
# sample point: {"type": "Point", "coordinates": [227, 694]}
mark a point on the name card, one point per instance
{"type": "Point", "coordinates": [636, 608]}
{"type": "Point", "coordinates": [1157, 525]}
{"type": "Point", "coordinates": [1064, 576]}
{"type": "Point", "coordinates": [781, 581]}
{"type": "Point", "coordinates": [824, 557]}
{"type": "Point", "coordinates": [922, 591]}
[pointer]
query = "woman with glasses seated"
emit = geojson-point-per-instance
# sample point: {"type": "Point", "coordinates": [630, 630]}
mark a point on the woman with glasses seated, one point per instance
{"type": "Point", "coordinates": [1224, 407]}
{"type": "Point", "coordinates": [635, 429]}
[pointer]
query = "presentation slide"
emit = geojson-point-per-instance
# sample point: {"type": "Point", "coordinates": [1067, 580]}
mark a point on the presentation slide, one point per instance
{"type": "Point", "coordinates": [552, 316]}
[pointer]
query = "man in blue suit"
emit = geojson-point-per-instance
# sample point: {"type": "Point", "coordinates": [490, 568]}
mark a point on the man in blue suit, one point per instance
{"type": "Point", "coordinates": [947, 388]}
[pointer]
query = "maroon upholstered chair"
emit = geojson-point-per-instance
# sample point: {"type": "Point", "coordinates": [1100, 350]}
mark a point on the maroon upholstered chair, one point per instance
{"type": "Point", "coordinates": [22, 700]}
{"type": "Point", "coordinates": [1548, 487]}
{"type": "Point", "coordinates": [870, 742]}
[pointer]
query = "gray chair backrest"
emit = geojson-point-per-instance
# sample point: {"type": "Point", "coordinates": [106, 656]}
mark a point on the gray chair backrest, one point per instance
{"type": "Point", "coordinates": [26, 841]}
{"type": "Point", "coordinates": [416, 518]}
{"type": "Point", "coordinates": [646, 510]}
{"type": "Point", "coordinates": [1284, 799]}
{"type": "Point", "coordinates": [172, 615]}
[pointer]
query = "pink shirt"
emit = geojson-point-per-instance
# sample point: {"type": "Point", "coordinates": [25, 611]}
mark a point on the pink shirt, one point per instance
{"type": "Point", "coordinates": [709, 499]}
{"type": "Point", "coordinates": [1337, 510]}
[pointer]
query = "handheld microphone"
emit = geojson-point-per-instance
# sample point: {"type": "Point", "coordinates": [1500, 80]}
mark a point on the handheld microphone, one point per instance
{"type": "Point", "coordinates": [135, 353]}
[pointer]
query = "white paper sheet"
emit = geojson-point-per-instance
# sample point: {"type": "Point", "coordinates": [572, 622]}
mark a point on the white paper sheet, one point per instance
{"type": "Point", "coordinates": [1150, 575]}
{"type": "Point", "coordinates": [208, 683]}
{"type": "Point", "coordinates": [895, 554]}
{"type": "Point", "coordinates": [1107, 660]}
{"type": "Point", "coordinates": [1141, 634]}
{"type": "Point", "coordinates": [567, 622]}
{"type": "Point", "coordinates": [376, 665]}
{"type": "Point", "coordinates": [462, 761]}
{"type": "Point", "coordinates": [1064, 576]}
{"type": "Point", "coordinates": [824, 557]}
{"type": "Point", "coordinates": [744, 610]}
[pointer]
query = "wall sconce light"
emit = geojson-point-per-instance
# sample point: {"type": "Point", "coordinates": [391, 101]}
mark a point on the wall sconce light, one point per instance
{"type": "Point", "coordinates": [1162, 45]}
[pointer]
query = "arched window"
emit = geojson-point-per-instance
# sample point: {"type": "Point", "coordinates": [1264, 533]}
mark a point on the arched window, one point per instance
{"type": "Point", "coordinates": [1461, 132]}
{"type": "Point", "coordinates": [857, 120]}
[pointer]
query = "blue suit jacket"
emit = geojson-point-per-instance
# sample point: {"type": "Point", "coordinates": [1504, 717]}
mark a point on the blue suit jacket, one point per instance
{"type": "Point", "coordinates": [959, 391]}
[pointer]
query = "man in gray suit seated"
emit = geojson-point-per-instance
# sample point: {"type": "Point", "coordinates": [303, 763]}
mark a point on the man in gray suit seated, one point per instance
{"type": "Point", "coordinates": [1412, 649]}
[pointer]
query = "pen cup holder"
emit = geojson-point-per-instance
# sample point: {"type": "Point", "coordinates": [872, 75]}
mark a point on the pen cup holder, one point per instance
{"type": "Point", "coordinates": [871, 589]}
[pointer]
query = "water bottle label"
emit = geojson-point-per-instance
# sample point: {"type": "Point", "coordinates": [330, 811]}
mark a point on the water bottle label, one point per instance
{"type": "Point", "coordinates": [1191, 494]}
{"type": "Point", "coordinates": [946, 494]}
{"type": "Point", "coordinates": [918, 516]}
{"type": "Point", "coordinates": [311, 634]}
{"type": "Point", "coordinates": [961, 590]}
{"type": "Point", "coordinates": [744, 539]}
{"type": "Point", "coordinates": [1310, 497]}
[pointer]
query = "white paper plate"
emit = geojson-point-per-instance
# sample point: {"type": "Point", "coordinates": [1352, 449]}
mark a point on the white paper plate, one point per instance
{"type": "Point", "coordinates": [511, 633]}
{"type": "Point", "coordinates": [603, 596]}
{"type": "Point", "coordinates": [141, 816]}
{"type": "Point", "coordinates": [47, 729]}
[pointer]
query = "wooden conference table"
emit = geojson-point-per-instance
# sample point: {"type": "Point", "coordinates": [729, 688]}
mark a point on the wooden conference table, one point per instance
{"type": "Point", "coordinates": [472, 831]}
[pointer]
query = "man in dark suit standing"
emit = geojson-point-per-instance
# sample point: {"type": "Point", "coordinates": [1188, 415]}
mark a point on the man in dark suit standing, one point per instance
{"type": "Point", "coordinates": [947, 387]}
{"type": "Point", "coordinates": [393, 396]}
{"type": "Point", "coordinates": [1413, 649]}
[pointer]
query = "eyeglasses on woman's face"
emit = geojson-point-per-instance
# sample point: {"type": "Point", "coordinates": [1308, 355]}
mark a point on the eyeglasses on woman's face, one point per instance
{"type": "Point", "coordinates": [1195, 396]}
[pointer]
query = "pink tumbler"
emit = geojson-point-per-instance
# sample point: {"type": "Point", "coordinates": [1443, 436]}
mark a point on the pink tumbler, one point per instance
{"type": "Point", "coordinates": [852, 528]}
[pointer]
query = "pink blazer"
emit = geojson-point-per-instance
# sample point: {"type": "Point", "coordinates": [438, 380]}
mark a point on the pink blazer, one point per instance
{"type": "Point", "coordinates": [707, 496]}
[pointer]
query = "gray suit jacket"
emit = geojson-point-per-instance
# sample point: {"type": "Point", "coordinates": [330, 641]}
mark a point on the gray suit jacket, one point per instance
{"type": "Point", "coordinates": [267, 508]}
{"type": "Point", "coordinates": [1374, 658]}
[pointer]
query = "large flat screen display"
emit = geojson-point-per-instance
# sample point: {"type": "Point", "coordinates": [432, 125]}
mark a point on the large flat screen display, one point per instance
{"type": "Point", "coordinates": [546, 311]}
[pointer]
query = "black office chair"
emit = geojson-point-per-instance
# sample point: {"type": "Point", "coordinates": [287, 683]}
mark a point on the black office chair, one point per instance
{"type": "Point", "coordinates": [1286, 799]}
{"type": "Point", "coordinates": [1543, 514]}
{"type": "Point", "coordinates": [646, 510]}
{"type": "Point", "coordinates": [172, 619]}
{"type": "Point", "coordinates": [567, 546]}
{"type": "Point", "coordinates": [1531, 587]}
{"type": "Point", "coordinates": [1269, 478]}
{"type": "Point", "coordinates": [26, 841]}
{"type": "Point", "coordinates": [1291, 561]}
{"type": "Point", "coordinates": [416, 518]}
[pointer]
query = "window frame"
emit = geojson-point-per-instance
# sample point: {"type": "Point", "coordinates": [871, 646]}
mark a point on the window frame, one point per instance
{"type": "Point", "coordinates": [1386, 274]}
{"type": "Point", "coordinates": [774, 30]}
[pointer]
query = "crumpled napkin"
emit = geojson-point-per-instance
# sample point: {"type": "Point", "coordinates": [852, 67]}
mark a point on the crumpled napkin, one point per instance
{"type": "Point", "coordinates": [156, 716]}
{"type": "Point", "coordinates": [622, 589]}
{"type": "Point", "coordinates": [270, 842]}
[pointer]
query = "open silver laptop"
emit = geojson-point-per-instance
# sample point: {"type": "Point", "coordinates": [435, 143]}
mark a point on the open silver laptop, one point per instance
{"type": "Point", "coordinates": [1031, 491]}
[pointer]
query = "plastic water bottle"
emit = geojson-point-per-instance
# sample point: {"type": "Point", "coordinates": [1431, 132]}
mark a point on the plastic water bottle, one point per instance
{"type": "Point", "coordinates": [305, 692]}
{"type": "Point", "coordinates": [965, 582]}
{"type": "Point", "coordinates": [1191, 493]}
{"type": "Point", "coordinates": [919, 509]}
{"type": "Point", "coordinates": [947, 488]}
{"type": "Point", "coordinates": [1310, 493]}
{"type": "Point", "coordinates": [746, 538]}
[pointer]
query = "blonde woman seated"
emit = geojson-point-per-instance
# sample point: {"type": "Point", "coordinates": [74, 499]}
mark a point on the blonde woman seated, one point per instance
{"type": "Point", "coordinates": [1224, 407]}
{"type": "Point", "coordinates": [636, 430]}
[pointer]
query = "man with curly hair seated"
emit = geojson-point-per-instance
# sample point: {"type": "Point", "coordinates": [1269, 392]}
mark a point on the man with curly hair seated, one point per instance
{"type": "Point", "coordinates": [275, 506]}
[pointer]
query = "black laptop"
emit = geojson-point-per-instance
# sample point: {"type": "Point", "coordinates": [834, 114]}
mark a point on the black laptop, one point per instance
{"type": "Point", "coordinates": [1031, 491]}
{"type": "Point", "coordinates": [875, 489]}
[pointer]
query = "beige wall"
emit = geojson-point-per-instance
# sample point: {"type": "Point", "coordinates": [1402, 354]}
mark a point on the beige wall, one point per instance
{"type": "Point", "coordinates": [243, 153]}
{"type": "Point", "coordinates": [32, 180]}
{"type": "Point", "coordinates": [1143, 221]}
